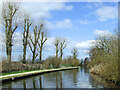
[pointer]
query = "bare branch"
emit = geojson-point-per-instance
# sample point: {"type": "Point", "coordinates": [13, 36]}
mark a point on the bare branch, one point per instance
{"type": "Point", "coordinates": [31, 41]}
{"type": "Point", "coordinates": [36, 55]}
{"type": "Point", "coordinates": [14, 29]}
{"type": "Point", "coordinates": [30, 47]}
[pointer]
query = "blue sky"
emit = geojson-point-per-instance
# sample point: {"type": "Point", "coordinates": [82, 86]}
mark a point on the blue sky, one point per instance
{"type": "Point", "coordinates": [79, 22]}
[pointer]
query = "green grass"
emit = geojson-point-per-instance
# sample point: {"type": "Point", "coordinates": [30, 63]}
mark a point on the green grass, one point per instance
{"type": "Point", "coordinates": [16, 72]}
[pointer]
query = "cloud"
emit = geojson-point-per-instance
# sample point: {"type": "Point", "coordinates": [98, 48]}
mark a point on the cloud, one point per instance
{"type": "Point", "coordinates": [85, 45]}
{"type": "Point", "coordinates": [92, 5]}
{"type": "Point", "coordinates": [49, 44]}
{"type": "Point", "coordinates": [69, 7]}
{"type": "Point", "coordinates": [67, 23]}
{"type": "Point", "coordinates": [83, 21]}
{"type": "Point", "coordinates": [106, 12]}
{"type": "Point", "coordinates": [17, 41]}
{"type": "Point", "coordinates": [102, 33]}
{"type": "Point", "coordinates": [43, 9]}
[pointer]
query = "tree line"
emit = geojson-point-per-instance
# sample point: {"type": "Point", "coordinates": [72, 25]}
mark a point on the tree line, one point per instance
{"type": "Point", "coordinates": [10, 11]}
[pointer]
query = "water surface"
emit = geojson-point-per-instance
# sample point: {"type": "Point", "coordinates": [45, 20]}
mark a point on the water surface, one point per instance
{"type": "Point", "coordinates": [76, 78]}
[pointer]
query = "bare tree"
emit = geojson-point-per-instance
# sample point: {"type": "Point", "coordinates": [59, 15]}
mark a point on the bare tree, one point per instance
{"type": "Point", "coordinates": [27, 25]}
{"type": "Point", "coordinates": [43, 39]}
{"type": "Point", "coordinates": [34, 41]}
{"type": "Point", "coordinates": [56, 43]}
{"type": "Point", "coordinates": [74, 52]}
{"type": "Point", "coordinates": [9, 20]}
{"type": "Point", "coordinates": [62, 47]}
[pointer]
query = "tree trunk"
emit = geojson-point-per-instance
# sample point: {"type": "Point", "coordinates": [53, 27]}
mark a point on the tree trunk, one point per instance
{"type": "Point", "coordinates": [40, 83]}
{"type": "Point", "coordinates": [40, 53]}
{"type": "Point", "coordinates": [57, 52]}
{"type": "Point", "coordinates": [9, 51]}
{"type": "Point", "coordinates": [61, 54]}
{"type": "Point", "coordinates": [24, 54]}
{"type": "Point", "coordinates": [33, 59]}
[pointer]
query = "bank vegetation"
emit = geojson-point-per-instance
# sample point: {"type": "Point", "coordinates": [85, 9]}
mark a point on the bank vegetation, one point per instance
{"type": "Point", "coordinates": [104, 57]}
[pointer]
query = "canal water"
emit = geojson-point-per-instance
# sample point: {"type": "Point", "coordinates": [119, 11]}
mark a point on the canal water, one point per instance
{"type": "Point", "coordinates": [76, 78]}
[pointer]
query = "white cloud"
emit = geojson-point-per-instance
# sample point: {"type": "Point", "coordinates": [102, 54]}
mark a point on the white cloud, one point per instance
{"type": "Point", "coordinates": [92, 5]}
{"type": "Point", "coordinates": [49, 44]}
{"type": "Point", "coordinates": [106, 12]}
{"type": "Point", "coordinates": [17, 41]}
{"type": "Point", "coordinates": [89, 6]}
{"type": "Point", "coordinates": [102, 33]}
{"type": "Point", "coordinates": [86, 51]}
{"type": "Point", "coordinates": [60, 24]}
{"type": "Point", "coordinates": [69, 7]}
{"type": "Point", "coordinates": [42, 9]}
{"type": "Point", "coordinates": [85, 45]}
{"type": "Point", "coordinates": [83, 21]}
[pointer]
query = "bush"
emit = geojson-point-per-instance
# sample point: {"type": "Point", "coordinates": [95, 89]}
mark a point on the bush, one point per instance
{"type": "Point", "coordinates": [104, 57]}
{"type": "Point", "coordinates": [52, 62]}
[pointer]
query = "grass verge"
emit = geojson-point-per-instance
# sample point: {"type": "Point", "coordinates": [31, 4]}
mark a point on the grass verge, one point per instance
{"type": "Point", "coordinates": [26, 72]}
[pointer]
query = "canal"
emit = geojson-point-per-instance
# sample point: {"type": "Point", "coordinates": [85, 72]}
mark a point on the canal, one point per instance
{"type": "Point", "coordinates": [76, 78]}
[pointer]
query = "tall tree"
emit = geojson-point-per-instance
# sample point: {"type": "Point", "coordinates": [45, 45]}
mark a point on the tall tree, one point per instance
{"type": "Point", "coordinates": [56, 43]}
{"type": "Point", "coordinates": [27, 25]}
{"type": "Point", "coordinates": [9, 17]}
{"type": "Point", "coordinates": [34, 41]}
{"type": "Point", "coordinates": [74, 52]}
{"type": "Point", "coordinates": [62, 47]}
{"type": "Point", "coordinates": [43, 39]}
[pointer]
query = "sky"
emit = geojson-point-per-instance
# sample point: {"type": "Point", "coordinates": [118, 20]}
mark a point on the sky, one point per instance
{"type": "Point", "coordinates": [78, 22]}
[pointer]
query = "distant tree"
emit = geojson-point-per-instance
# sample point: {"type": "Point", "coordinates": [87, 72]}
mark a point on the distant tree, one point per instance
{"type": "Point", "coordinates": [86, 61]}
{"type": "Point", "coordinates": [56, 43]}
{"type": "Point", "coordinates": [74, 52]}
{"type": "Point", "coordinates": [70, 61]}
{"type": "Point", "coordinates": [81, 63]}
{"type": "Point", "coordinates": [62, 47]}
{"type": "Point", "coordinates": [27, 25]}
{"type": "Point", "coordinates": [33, 42]}
{"type": "Point", "coordinates": [52, 62]}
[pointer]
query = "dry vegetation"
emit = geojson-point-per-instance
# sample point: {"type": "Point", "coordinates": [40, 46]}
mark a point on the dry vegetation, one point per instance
{"type": "Point", "coordinates": [104, 57]}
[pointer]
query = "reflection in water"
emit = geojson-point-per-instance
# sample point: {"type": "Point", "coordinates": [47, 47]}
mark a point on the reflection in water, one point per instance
{"type": "Point", "coordinates": [24, 84]}
{"type": "Point", "coordinates": [56, 81]}
{"type": "Point", "coordinates": [40, 83]}
{"type": "Point", "coordinates": [10, 86]}
{"type": "Point", "coordinates": [100, 83]}
{"type": "Point", "coordinates": [77, 78]}
{"type": "Point", "coordinates": [34, 84]}
{"type": "Point", "coordinates": [61, 80]}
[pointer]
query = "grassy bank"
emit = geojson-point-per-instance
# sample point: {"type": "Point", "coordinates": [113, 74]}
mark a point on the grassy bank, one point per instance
{"type": "Point", "coordinates": [15, 75]}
